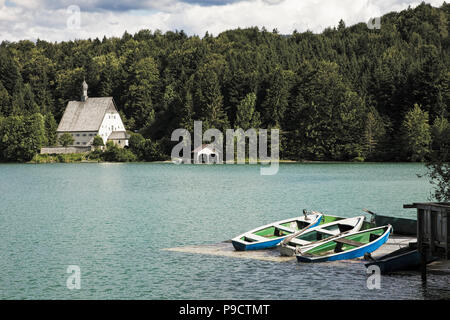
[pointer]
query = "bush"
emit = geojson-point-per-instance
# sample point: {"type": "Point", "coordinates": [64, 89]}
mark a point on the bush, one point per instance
{"type": "Point", "coordinates": [21, 137]}
{"type": "Point", "coordinates": [98, 141]}
{"type": "Point", "coordinates": [66, 139]}
{"type": "Point", "coordinates": [145, 149]}
{"type": "Point", "coordinates": [115, 154]}
{"type": "Point", "coordinates": [95, 154]}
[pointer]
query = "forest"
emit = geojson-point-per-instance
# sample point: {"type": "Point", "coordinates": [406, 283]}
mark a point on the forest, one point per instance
{"type": "Point", "coordinates": [349, 93]}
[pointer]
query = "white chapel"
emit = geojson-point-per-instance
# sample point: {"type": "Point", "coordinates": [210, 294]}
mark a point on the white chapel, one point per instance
{"type": "Point", "coordinates": [90, 117]}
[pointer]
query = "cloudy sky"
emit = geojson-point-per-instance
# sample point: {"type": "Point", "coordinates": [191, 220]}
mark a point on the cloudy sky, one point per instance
{"type": "Point", "coordinates": [70, 19]}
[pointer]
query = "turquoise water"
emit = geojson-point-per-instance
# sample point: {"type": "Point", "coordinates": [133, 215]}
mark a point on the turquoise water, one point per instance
{"type": "Point", "coordinates": [112, 220]}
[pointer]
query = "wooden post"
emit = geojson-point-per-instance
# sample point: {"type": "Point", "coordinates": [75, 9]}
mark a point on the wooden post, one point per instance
{"type": "Point", "coordinates": [420, 243]}
{"type": "Point", "coordinates": [423, 266]}
{"type": "Point", "coordinates": [446, 235]}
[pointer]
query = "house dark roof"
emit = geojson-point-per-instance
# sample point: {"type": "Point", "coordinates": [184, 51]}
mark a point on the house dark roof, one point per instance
{"type": "Point", "coordinates": [85, 115]}
{"type": "Point", "coordinates": [118, 135]}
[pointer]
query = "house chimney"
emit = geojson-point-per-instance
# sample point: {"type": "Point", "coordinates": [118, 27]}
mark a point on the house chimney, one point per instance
{"type": "Point", "coordinates": [84, 97]}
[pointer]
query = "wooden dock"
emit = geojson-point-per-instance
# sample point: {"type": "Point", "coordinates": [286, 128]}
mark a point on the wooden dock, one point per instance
{"type": "Point", "coordinates": [433, 235]}
{"type": "Point", "coordinates": [225, 249]}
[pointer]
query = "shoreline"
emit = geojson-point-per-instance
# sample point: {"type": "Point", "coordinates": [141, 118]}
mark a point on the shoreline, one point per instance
{"type": "Point", "coordinates": [246, 163]}
{"type": "Point", "coordinates": [83, 158]}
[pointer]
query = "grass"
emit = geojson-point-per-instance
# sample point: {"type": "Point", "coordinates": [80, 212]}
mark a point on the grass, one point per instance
{"type": "Point", "coordinates": [61, 158]}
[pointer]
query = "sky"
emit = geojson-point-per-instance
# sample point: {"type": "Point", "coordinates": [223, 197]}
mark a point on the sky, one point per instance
{"type": "Point", "coordinates": [70, 19]}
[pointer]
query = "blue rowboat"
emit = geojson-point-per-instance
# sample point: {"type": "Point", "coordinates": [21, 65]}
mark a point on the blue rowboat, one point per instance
{"type": "Point", "coordinates": [348, 246]}
{"type": "Point", "coordinates": [270, 235]}
{"type": "Point", "coordinates": [399, 260]}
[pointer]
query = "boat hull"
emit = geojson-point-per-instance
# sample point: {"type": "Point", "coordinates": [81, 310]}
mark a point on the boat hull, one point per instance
{"type": "Point", "coordinates": [401, 226]}
{"type": "Point", "coordinates": [350, 254]}
{"type": "Point", "coordinates": [240, 245]}
{"type": "Point", "coordinates": [406, 261]}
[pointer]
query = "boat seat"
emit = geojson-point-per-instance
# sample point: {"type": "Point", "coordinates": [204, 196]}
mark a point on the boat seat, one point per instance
{"type": "Point", "coordinates": [328, 232]}
{"type": "Point", "coordinates": [342, 241]}
{"type": "Point", "coordinates": [255, 237]}
{"type": "Point", "coordinates": [298, 242]}
{"type": "Point", "coordinates": [349, 242]}
{"type": "Point", "coordinates": [282, 228]}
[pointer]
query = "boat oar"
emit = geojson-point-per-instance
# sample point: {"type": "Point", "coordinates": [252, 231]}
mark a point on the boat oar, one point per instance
{"type": "Point", "coordinates": [287, 239]}
{"type": "Point", "coordinates": [373, 214]}
{"type": "Point", "coordinates": [370, 212]}
{"type": "Point", "coordinates": [308, 246]}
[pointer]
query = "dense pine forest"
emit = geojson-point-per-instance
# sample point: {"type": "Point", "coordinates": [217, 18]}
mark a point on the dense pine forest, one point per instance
{"type": "Point", "coordinates": [348, 93]}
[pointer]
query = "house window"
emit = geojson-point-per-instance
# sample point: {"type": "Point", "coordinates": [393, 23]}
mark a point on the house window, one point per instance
{"type": "Point", "coordinates": [77, 134]}
{"type": "Point", "coordinates": [90, 134]}
{"type": "Point", "coordinates": [84, 134]}
{"type": "Point", "coordinates": [84, 142]}
{"type": "Point", "coordinates": [78, 142]}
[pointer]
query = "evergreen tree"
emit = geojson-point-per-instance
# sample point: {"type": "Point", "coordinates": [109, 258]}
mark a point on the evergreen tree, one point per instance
{"type": "Point", "coordinates": [5, 101]}
{"type": "Point", "coordinates": [246, 115]}
{"type": "Point", "coordinates": [208, 100]}
{"type": "Point", "coordinates": [276, 97]}
{"type": "Point", "coordinates": [29, 105]}
{"type": "Point", "coordinates": [330, 115]}
{"type": "Point", "coordinates": [50, 129]}
{"type": "Point", "coordinates": [439, 163]}
{"type": "Point", "coordinates": [416, 134]}
{"type": "Point", "coordinates": [142, 79]}
{"type": "Point", "coordinates": [22, 137]}
{"type": "Point", "coordinates": [338, 95]}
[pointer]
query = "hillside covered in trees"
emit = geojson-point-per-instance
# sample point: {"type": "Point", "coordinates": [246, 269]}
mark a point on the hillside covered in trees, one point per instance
{"type": "Point", "coordinates": [346, 93]}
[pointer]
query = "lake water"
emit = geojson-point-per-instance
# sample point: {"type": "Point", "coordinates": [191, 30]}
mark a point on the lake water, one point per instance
{"type": "Point", "coordinates": [113, 220]}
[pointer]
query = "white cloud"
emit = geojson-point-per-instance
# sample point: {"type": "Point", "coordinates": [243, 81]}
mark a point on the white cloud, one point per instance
{"type": "Point", "coordinates": [22, 19]}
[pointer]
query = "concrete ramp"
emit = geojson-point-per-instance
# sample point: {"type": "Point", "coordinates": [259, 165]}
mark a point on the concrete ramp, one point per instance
{"type": "Point", "coordinates": [225, 249]}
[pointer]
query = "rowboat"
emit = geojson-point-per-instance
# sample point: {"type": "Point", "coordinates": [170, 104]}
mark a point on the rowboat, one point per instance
{"type": "Point", "coordinates": [403, 259]}
{"type": "Point", "coordinates": [348, 246]}
{"type": "Point", "coordinates": [268, 236]}
{"type": "Point", "coordinates": [407, 258]}
{"type": "Point", "coordinates": [322, 232]}
{"type": "Point", "coordinates": [400, 226]}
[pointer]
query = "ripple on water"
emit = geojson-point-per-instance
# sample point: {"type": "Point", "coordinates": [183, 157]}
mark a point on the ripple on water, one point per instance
{"type": "Point", "coordinates": [112, 221]}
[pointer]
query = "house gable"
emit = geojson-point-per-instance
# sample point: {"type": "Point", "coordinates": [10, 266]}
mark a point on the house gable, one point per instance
{"type": "Point", "coordinates": [111, 122]}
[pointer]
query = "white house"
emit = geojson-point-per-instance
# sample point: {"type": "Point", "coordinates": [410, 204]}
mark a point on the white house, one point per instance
{"type": "Point", "coordinates": [90, 117]}
{"type": "Point", "coordinates": [206, 154]}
